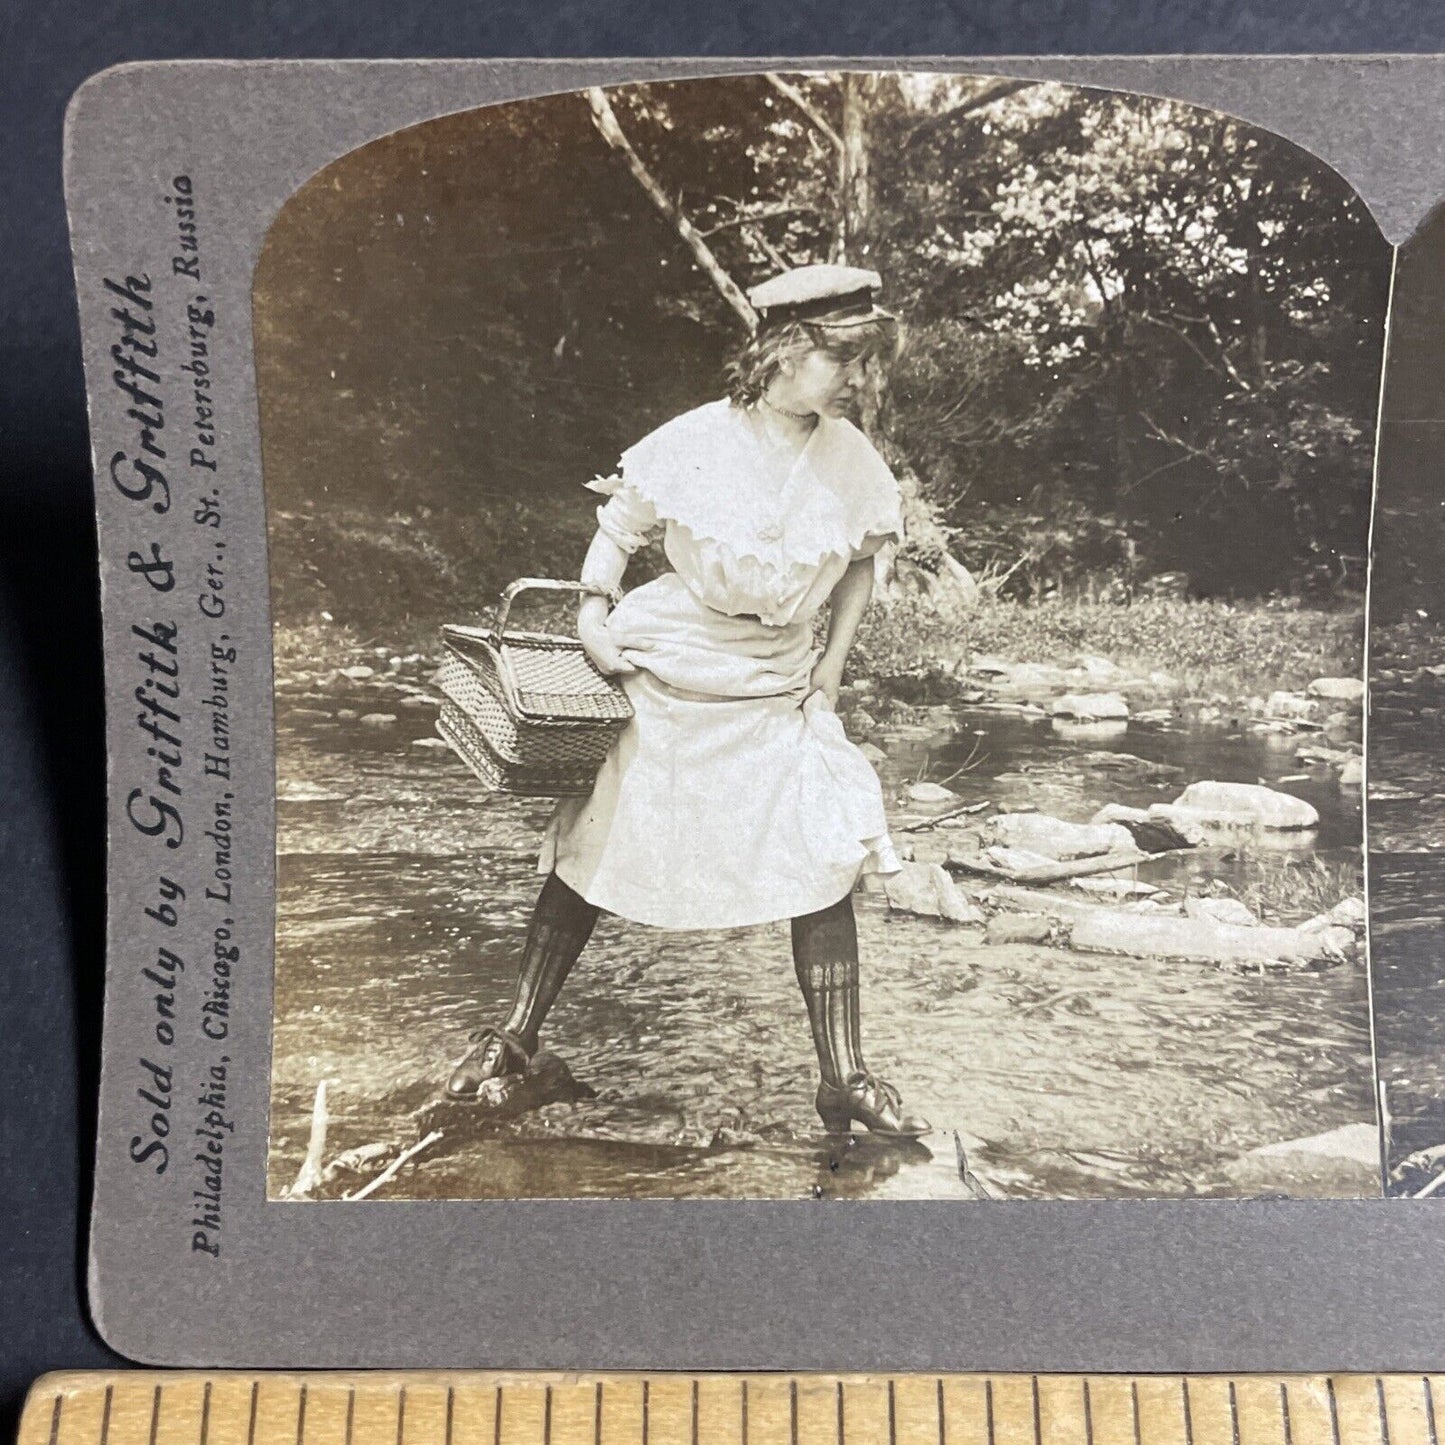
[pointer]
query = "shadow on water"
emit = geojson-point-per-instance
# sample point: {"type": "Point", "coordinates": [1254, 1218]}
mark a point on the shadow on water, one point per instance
{"type": "Point", "coordinates": [404, 891]}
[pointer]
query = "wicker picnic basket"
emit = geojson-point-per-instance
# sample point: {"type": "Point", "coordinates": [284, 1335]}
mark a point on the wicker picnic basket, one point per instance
{"type": "Point", "coordinates": [527, 711]}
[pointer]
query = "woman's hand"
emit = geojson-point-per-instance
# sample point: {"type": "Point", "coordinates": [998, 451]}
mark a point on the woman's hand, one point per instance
{"type": "Point", "coordinates": [596, 642]}
{"type": "Point", "coordinates": [827, 678]}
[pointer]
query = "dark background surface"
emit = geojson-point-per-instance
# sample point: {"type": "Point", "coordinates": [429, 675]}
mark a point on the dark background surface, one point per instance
{"type": "Point", "coordinates": [51, 756]}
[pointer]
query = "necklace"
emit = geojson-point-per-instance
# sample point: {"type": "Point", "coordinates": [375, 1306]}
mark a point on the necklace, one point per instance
{"type": "Point", "coordinates": [791, 415]}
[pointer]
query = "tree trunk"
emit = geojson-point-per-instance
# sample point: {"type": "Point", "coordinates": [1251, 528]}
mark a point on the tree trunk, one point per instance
{"type": "Point", "coordinates": [855, 231]}
{"type": "Point", "coordinates": [855, 209]}
{"type": "Point", "coordinates": [605, 119]}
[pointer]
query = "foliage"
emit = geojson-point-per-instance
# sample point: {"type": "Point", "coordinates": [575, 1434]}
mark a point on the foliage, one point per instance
{"type": "Point", "coordinates": [1140, 336]}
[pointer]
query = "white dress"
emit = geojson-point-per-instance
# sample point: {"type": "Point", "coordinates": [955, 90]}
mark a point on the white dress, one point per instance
{"type": "Point", "coordinates": [733, 797]}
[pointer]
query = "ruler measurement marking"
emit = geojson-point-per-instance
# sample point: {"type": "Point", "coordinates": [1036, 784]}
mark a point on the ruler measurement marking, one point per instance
{"type": "Point", "coordinates": [1003, 1417]}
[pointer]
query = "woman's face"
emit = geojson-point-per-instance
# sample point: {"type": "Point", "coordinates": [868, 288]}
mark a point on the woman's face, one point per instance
{"type": "Point", "coordinates": [821, 383]}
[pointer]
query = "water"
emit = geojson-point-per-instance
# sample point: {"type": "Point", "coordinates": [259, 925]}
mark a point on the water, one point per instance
{"type": "Point", "coordinates": [404, 890]}
{"type": "Point", "coordinates": [1407, 906]}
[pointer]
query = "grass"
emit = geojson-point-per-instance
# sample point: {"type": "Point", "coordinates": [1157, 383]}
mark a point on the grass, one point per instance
{"type": "Point", "coordinates": [1207, 648]}
{"type": "Point", "coordinates": [1289, 891]}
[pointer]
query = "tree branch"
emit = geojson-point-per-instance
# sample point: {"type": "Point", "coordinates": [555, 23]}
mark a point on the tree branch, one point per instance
{"type": "Point", "coordinates": [608, 128]}
{"type": "Point", "coordinates": [746, 219]}
{"type": "Point", "coordinates": [978, 102]}
{"type": "Point", "coordinates": [806, 106]}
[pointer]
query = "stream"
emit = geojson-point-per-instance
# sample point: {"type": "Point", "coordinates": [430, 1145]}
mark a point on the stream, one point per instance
{"type": "Point", "coordinates": [404, 890]}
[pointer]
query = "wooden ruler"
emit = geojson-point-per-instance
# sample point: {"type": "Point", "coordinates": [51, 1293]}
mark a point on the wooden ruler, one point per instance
{"type": "Point", "coordinates": [496, 1408]}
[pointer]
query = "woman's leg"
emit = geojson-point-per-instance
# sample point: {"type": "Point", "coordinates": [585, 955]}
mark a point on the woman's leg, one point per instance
{"type": "Point", "coordinates": [825, 958]}
{"type": "Point", "coordinates": [561, 925]}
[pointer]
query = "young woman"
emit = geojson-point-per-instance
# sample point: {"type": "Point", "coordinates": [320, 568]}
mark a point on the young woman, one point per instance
{"type": "Point", "coordinates": [733, 797]}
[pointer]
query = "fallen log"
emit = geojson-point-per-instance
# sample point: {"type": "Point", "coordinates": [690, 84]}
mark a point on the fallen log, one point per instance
{"type": "Point", "coordinates": [1154, 935]}
{"type": "Point", "coordinates": [1059, 872]}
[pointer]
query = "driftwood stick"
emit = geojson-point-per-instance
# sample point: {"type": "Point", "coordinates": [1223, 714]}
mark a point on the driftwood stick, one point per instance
{"type": "Point", "coordinates": [309, 1176]}
{"type": "Point", "coordinates": [960, 812]}
{"type": "Point", "coordinates": [394, 1168]}
{"type": "Point", "coordinates": [1079, 868]}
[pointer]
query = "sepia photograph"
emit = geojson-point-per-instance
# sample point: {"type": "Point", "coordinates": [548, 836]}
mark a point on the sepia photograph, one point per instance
{"type": "Point", "coordinates": [819, 632]}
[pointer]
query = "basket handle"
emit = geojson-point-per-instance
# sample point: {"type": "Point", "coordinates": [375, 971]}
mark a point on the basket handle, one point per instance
{"type": "Point", "coordinates": [545, 584]}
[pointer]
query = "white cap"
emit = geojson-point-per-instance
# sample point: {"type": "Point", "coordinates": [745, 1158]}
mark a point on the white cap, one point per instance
{"type": "Point", "coordinates": [823, 295]}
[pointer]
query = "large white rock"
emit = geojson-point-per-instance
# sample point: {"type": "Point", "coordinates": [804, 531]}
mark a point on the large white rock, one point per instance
{"type": "Point", "coordinates": [1054, 838]}
{"type": "Point", "coordinates": [1019, 860]}
{"type": "Point", "coordinates": [1202, 939]}
{"type": "Point", "coordinates": [930, 795]}
{"type": "Point", "coordinates": [1291, 705]}
{"type": "Point", "coordinates": [1220, 910]}
{"type": "Point", "coordinates": [1343, 1163]}
{"type": "Point", "coordinates": [1119, 813]}
{"type": "Point", "coordinates": [1090, 707]}
{"type": "Point", "coordinates": [1018, 928]}
{"type": "Point", "coordinates": [1339, 689]}
{"type": "Point", "coordinates": [1352, 775]}
{"type": "Point", "coordinates": [1247, 805]}
{"type": "Point", "coordinates": [1099, 669]}
{"type": "Point", "coordinates": [924, 888]}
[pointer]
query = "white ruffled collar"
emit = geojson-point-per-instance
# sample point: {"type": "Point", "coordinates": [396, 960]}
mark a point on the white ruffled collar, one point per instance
{"type": "Point", "coordinates": [707, 470]}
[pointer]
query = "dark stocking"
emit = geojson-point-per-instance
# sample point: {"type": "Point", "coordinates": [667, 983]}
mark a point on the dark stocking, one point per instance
{"type": "Point", "coordinates": [560, 927]}
{"type": "Point", "coordinates": [825, 958]}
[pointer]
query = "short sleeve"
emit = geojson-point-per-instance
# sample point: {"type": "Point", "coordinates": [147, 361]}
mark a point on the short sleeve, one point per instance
{"type": "Point", "coordinates": [881, 521]}
{"type": "Point", "coordinates": [626, 517]}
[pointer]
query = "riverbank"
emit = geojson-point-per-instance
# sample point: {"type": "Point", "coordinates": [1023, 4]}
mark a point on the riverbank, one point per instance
{"type": "Point", "coordinates": [1221, 651]}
